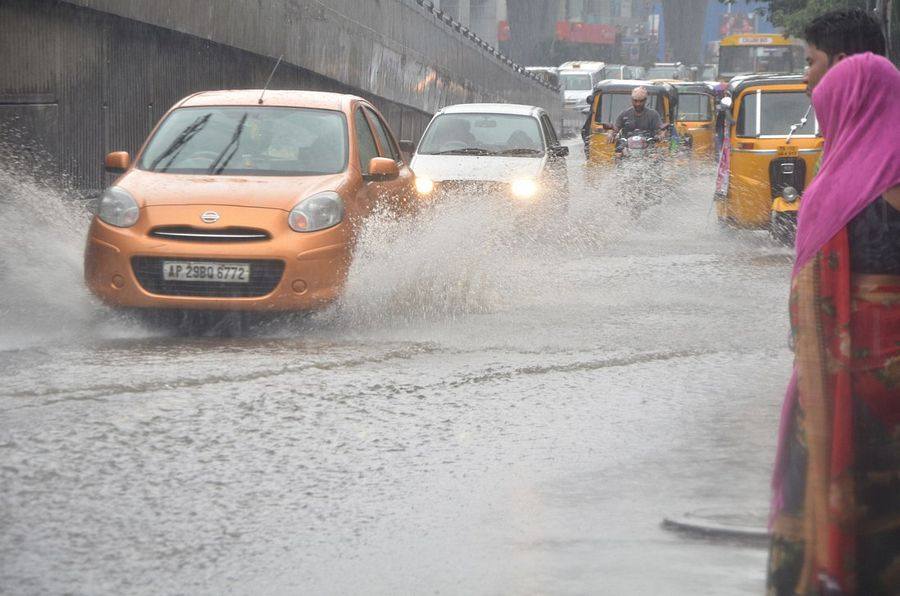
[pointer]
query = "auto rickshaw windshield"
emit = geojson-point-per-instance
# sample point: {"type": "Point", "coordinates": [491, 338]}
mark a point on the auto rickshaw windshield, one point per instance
{"type": "Point", "coordinates": [613, 104]}
{"type": "Point", "coordinates": [771, 113]}
{"type": "Point", "coordinates": [693, 107]}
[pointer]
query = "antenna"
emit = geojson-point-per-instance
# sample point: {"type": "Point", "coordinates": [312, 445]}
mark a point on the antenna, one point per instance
{"type": "Point", "coordinates": [272, 74]}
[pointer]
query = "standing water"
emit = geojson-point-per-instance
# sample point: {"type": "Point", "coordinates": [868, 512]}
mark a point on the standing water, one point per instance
{"type": "Point", "coordinates": [492, 407]}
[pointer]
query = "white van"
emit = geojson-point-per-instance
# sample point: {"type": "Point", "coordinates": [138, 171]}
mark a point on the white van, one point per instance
{"type": "Point", "coordinates": [577, 79]}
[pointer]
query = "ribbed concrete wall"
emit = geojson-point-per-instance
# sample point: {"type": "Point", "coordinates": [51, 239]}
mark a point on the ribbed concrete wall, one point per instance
{"type": "Point", "coordinates": [395, 49]}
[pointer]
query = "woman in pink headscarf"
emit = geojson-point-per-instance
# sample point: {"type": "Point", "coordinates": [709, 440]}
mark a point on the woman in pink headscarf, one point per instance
{"type": "Point", "coordinates": [836, 508]}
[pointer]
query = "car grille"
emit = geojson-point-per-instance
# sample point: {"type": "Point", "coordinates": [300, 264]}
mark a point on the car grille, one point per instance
{"type": "Point", "coordinates": [264, 277]}
{"type": "Point", "coordinates": [192, 234]}
{"type": "Point", "coordinates": [472, 187]}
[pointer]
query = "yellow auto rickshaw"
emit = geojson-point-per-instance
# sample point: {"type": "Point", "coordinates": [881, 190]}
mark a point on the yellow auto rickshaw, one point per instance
{"type": "Point", "coordinates": [771, 147]}
{"type": "Point", "coordinates": [696, 117]}
{"type": "Point", "coordinates": [612, 97]}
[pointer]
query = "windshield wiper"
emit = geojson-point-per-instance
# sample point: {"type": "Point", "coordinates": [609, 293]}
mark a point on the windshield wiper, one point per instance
{"type": "Point", "coordinates": [179, 142]}
{"type": "Point", "coordinates": [467, 151]}
{"type": "Point", "coordinates": [231, 148]}
{"type": "Point", "coordinates": [800, 124]}
{"type": "Point", "coordinates": [521, 151]}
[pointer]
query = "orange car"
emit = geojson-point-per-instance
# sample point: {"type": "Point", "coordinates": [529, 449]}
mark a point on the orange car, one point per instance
{"type": "Point", "coordinates": [240, 201]}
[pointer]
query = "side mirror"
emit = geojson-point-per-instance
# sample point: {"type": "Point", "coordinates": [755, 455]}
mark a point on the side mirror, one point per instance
{"type": "Point", "coordinates": [726, 103]}
{"type": "Point", "coordinates": [408, 147]}
{"type": "Point", "coordinates": [559, 151]}
{"type": "Point", "coordinates": [589, 99]}
{"type": "Point", "coordinates": [117, 162]}
{"type": "Point", "coordinates": [382, 168]}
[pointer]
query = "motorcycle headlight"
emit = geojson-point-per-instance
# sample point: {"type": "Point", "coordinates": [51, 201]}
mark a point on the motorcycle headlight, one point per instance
{"type": "Point", "coordinates": [424, 185]}
{"type": "Point", "coordinates": [790, 194]}
{"type": "Point", "coordinates": [524, 188]}
{"type": "Point", "coordinates": [318, 212]}
{"type": "Point", "coordinates": [118, 208]}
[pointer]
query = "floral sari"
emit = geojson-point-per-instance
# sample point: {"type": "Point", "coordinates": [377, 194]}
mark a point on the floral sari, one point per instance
{"type": "Point", "coordinates": [836, 514]}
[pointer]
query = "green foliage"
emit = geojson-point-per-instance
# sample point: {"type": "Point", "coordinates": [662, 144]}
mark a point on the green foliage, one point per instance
{"type": "Point", "coordinates": [794, 15]}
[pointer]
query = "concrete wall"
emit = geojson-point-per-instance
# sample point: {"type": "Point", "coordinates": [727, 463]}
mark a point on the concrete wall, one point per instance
{"type": "Point", "coordinates": [81, 78]}
{"type": "Point", "coordinates": [400, 50]}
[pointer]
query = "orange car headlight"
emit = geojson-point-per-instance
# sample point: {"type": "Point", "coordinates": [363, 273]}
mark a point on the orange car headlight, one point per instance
{"type": "Point", "coordinates": [318, 212]}
{"type": "Point", "coordinates": [118, 208]}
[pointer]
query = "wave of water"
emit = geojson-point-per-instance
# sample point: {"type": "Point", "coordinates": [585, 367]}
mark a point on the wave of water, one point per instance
{"type": "Point", "coordinates": [470, 255]}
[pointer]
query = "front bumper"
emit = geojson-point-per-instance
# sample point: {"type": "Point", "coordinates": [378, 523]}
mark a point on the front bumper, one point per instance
{"type": "Point", "coordinates": [289, 271]}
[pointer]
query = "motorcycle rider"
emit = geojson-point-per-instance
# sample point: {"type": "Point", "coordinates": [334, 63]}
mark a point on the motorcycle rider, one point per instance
{"type": "Point", "coordinates": [637, 117]}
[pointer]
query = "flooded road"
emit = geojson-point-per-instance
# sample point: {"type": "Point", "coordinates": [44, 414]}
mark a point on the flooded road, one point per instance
{"type": "Point", "coordinates": [488, 411]}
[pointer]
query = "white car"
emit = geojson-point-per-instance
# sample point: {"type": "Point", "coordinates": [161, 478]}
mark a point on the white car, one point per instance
{"type": "Point", "coordinates": [505, 149]}
{"type": "Point", "coordinates": [577, 80]}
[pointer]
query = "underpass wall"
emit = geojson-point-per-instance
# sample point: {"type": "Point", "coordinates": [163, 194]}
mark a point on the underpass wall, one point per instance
{"type": "Point", "coordinates": [79, 78]}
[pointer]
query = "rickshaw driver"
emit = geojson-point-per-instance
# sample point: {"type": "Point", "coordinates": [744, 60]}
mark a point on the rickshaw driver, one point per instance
{"type": "Point", "coordinates": [637, 117]}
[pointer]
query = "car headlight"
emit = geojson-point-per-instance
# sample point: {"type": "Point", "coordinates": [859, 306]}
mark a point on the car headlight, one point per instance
{"type": "Point", "coordinates": [118, 208]}
{"type": "Point", "coordinates": [790, 194]}
{"type": "Point", "coordinates": [317, 212]}
{"type": "Point", "coordinates": [424, 185]}
{"type": "Point", "coordinates": [524, 188]}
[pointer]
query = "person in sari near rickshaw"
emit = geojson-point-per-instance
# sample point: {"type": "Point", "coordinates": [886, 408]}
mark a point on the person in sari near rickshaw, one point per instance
{"type": "Point", "coordinates": [835, 519]}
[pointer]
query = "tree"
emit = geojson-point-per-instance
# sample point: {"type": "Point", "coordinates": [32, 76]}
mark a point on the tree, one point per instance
{"type": "Point", "coordinates": [532, 28]}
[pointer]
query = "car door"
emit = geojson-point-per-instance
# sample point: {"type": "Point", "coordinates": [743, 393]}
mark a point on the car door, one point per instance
{"type": "Point", "coordinates": [398, 191]}
{"type": "Point", "coordinates": [556, 160]}
{"type": "Point", "coordinates": [366, 149]}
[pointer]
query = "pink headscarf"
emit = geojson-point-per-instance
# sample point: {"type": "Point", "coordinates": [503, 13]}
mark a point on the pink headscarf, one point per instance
{"type": "Point", "coordinates": [857, 104]}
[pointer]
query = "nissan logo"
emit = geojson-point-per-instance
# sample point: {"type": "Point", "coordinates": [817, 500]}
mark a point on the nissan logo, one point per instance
{"type": "Point", "coordinates": [210, 217]}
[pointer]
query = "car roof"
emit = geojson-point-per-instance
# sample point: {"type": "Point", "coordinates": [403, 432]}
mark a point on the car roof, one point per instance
{"type": "Point", "coordinates": [491, 108]}
{"type": "Point", "coordinates": [272, 97]}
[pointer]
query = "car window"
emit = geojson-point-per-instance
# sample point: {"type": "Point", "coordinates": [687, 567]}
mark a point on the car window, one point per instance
{"type": "Point", "coordinates": [365, 142]}
{"type": "Point", "coordinates": [389, 147]}
{"type": "Point", "coordinates": [576, 82]}
{"type": "Point", "coordinates": [486, 134]}
{"type": "Point", "coordinates": [549, 131]}
{"type": "Point", "coordinates": [248, 141]}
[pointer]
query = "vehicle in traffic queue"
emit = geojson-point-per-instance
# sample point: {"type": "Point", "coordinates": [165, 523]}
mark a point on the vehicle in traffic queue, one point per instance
{"type": "Point", "coordinates": [612, 97]}
{"type": "Point", "coordinates": [758, 54]}
{"type": "Point", "coordinates": [769, 155]}
{"type": "Point", "coordinates": [578, 80]}
{"type": "Point", "coordinates": [507, 150]}
{"type": "Point", "coordinates": [695, 117]}
{"type": "Point", "coordinates": [243, 201]}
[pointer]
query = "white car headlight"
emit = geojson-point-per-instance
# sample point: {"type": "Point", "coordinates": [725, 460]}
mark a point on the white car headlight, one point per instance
{"type": "Point", "coordinates": [524, 188]}
{"type": "Point", "coordinates": [317, 212]}
{"type": "Point", "coordinates": [424, 185]}
{"type": "Point", "coordinates": [118, 208]}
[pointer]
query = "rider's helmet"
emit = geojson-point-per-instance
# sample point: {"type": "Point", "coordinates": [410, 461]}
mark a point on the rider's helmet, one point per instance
{"type": "Point", "coordinates": [639, 93]}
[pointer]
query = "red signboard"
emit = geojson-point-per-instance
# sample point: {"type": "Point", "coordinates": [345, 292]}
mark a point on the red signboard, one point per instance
{"type": "Point", "coordinates": [593, 33]}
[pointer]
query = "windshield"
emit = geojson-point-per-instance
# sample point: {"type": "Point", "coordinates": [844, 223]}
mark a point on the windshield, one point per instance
{"type": "Point", "coordinates": [613, 104]}
{"type": "Point", "coordinates": [660, 72]}
{"type": "Point", "coordinates": [771, 113]}
{"type": "Point", "coordinates": [735, 60]}
{"type": "Point", "coordinates": [249, 141]}
{"type": "Point", "coordinates": [693, 107]}
{"type": "Point", "coordinates": [576, 82]}
{"type": "Point", "coordinates": [483, 134]}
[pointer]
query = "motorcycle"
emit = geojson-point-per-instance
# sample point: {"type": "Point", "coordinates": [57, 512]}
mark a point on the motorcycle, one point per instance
{"type": "Point", "coordinates": [639, 158]}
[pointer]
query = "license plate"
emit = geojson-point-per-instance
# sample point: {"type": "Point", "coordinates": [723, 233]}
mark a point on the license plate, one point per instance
{"type": "Point", "coordinates": [788, 151]}
{"type": "Point", "coordinates": [206, 271]}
